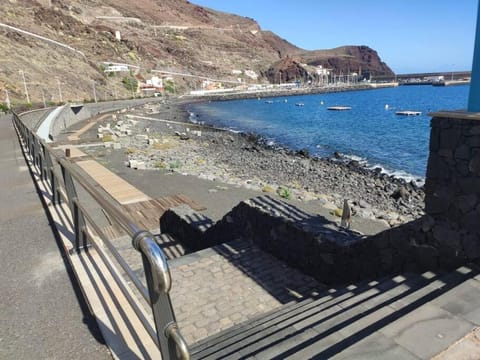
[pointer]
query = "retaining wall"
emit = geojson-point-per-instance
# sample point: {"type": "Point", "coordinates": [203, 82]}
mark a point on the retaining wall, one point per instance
{"type": "Point", "coordinates": [72, 114]}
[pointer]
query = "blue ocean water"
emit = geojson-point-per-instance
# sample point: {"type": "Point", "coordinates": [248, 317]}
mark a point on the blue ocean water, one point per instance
{"type": "Point", "coordinates": [370, 132]}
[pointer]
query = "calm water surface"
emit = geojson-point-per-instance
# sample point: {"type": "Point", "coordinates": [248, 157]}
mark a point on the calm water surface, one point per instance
{"type": "Point", "coordinates": [369, 132]}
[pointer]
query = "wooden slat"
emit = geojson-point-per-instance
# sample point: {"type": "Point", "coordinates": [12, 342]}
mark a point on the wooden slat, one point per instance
{"type": "Point", "coordinates": [147, 213]}
{"type": "Point", "coordinates": [118, 188]}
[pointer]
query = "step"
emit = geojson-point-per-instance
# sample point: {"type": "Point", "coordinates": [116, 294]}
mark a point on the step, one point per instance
{"type": "Point", "coordinates": [220, 287]}
{"type": "Point", "coordinates": [234, 340]}
{"type": "Point", "coordinates": [348, 321]}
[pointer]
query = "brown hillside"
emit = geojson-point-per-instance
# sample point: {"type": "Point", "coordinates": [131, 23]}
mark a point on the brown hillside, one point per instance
{"type": "Point", "coordinates": [167, 35]}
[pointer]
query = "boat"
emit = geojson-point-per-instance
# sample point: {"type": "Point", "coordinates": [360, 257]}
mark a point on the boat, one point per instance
{"type": "Point", "coordinates": [408, 113]}
{"type": "Point", "coordinates": [269, 102]}
{"type": "Point", "coordinates": [339, 108]}
{"type": "Point", "coordinates": [299, 104]}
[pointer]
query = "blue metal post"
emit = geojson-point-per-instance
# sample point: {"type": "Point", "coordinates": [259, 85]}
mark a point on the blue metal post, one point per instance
{"type": "Point", "coordinates": [474, 96]}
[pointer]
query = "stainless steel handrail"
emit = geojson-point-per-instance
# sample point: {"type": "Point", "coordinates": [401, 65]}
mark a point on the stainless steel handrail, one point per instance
{"type": "Point", "coordinates": [170, 342]}
{"type": "Point", "coordinates": [143, 242]}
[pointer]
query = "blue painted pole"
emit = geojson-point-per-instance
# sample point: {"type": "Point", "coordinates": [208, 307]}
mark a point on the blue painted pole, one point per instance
{"type": "Point", "coordinates": [474, 96]}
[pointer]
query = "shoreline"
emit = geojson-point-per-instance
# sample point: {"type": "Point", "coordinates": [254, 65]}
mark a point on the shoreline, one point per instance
{"type": "Point", "coordinates": [161, 141]}
{"type": "Point", "coordinates": [356, 162]}
{"type": "Point", "coordinates": [246, 160]}
{"type": "Point", "coordinates": [271, 93]}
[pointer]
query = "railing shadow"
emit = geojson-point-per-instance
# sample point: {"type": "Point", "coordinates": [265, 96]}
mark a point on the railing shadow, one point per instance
{"type": "Point", "coordinates": [304, 326]}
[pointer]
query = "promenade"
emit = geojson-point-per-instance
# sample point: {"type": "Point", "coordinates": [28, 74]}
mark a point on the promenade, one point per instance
{"type": "Point", "coordinates": [42, 310]}
{"type": "Point", "coordinates": [232, 300]}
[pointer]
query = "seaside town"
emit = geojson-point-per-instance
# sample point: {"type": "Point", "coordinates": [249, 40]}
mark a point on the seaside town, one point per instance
{"type": "Point", "coordinates": [182, 182]}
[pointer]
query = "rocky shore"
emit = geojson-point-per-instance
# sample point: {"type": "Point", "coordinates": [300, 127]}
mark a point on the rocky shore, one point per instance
{"type": "Point", "coordinates": [161, 138]}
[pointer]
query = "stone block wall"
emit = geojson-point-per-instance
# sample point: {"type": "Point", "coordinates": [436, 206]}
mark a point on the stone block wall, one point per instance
{"type": "Point", "coordinates": [307, 242]}
{"type": "Point", "coordinates": [452, 188]}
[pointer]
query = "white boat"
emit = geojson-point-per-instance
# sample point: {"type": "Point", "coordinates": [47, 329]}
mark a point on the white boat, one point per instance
{"type": "Point", "coordinates": [299, 104]}
{"type": "Point", "coordinates": [339, 108]}
{"type": "Point", "coordinates": [408, 113]}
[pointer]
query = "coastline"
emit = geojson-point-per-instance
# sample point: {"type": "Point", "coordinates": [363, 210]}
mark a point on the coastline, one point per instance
{"type": "Point", "coordinates": [244, 160]}
{"type": "Point", "coordinates": [275, 92]}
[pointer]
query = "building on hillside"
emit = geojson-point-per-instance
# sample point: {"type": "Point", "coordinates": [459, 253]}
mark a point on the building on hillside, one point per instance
{"type": "Point", "coordinates": [152, 86]}
{"type": "Point", "coordinates": [116, 68]}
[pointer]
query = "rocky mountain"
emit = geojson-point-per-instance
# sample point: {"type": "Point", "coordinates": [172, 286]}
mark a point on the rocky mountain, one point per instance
{"type": "Point", "coordinates": [62, 48]}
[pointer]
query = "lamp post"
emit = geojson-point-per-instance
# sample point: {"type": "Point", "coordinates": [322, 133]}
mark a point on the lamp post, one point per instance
{"type": "Point", "coordinates": [59, 91]}
{"type": "Point", "coordinates": [7, 99]}
{"type": "Point", "coordinates": [24, 85]}
{"type": "Point", "coordinates": [94, 92]}
{"type": "Point", "coordinates": [43, 98]}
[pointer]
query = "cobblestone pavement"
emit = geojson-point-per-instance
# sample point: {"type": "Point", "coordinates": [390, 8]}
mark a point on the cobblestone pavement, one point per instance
{"type": "Point", "coordinates": [220, 287]}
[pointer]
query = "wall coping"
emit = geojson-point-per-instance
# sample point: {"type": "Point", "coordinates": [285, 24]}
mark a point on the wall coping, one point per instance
{"type": "Point", "coordinates": [456, 114]}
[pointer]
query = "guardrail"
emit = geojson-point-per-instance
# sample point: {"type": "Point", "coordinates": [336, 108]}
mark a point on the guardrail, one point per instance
{"type": "Point", "coordinates": [61, 175]}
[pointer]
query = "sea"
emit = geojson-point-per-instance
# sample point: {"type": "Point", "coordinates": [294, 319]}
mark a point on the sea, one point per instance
{"type": "Point", "coordinates": [370, 132]}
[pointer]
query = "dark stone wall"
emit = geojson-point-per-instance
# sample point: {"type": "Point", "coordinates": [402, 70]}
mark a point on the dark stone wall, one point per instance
{"type": "Point", "coordinates": [307, 242]}
{"type": "Point", "coordinates": [452, 188]}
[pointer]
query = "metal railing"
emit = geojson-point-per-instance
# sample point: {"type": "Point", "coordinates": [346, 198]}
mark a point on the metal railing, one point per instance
{"type": "Point", "coordinates": [61, 175]}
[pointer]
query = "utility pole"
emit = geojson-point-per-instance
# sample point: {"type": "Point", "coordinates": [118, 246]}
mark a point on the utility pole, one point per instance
{"type": "Point", "coordinates": [43, 98]}
{"type": "Point", "coordinates": [7, 99]}
{"type": "Point", "coordinates": [59, 91]}
{"type": "Point", "coordinates": [94, 92]}
{"type": "Point", "coordinates": [24, 85]}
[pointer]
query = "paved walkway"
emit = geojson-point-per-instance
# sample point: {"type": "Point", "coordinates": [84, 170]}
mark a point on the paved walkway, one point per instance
{"type": "Point", "coordinates": [217, 288]}
{"type": "Point", "coordinates": [42, 311]}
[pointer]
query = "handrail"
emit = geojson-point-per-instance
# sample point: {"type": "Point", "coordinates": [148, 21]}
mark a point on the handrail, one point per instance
{"type": "Point", "coordinates": [171, 343]}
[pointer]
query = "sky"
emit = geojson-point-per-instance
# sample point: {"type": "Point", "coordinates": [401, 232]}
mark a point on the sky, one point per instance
{"type": "Point", "coordinates": [411, 36]}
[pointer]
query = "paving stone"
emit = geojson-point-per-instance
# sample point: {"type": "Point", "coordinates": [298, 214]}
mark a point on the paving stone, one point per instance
{"type": "Point", "coordinates": [462, 301]}
{"type": "Point", "coordinates": [427, 331]}
{"type": "Point", "coordinates": [376, 346]}
{"type": "Point", "coordinates": [236, 282]}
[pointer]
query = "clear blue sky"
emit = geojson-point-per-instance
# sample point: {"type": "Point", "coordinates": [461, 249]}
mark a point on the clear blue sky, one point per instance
{"type": "Point", "coordinates": [409, 35]}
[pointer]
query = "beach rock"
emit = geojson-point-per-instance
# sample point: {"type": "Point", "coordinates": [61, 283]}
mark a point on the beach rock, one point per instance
{"type": "Point", "coordinates": [354, 164]}
{"type": "Point", "coordinates": [363, 204]}
{"type": "Point", "coordinates": [233, 158]}
{"type": "Point", "coordinates": [400, 193]}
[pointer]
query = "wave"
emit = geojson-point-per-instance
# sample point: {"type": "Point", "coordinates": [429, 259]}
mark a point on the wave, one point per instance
{"type": "Point", "coordinates": [397, 174]}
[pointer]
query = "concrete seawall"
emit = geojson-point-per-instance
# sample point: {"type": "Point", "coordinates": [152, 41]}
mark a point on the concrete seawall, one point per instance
{"type": "Point", "coordinates": [72, 114]}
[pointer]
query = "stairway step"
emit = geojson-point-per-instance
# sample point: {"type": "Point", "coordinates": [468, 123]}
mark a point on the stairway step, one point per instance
{"type": "Point", "coordinates": [274, 322]}
{"type": "Point", "coordinates": [327, 319]}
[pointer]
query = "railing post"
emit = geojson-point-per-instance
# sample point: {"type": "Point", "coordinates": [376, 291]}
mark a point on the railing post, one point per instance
{"type": "Point", "coordinates": [172, 345]}
{"type": "Point", "coordinates": [80, 228]}
{"type": "Point", "coordinates": [50, 174]}
{"type": "Point", "coordinates": [78, 218]}
{"type": "Point", "coordinates": [30, 143]}
{"type": "Point", "coordinates": [69, 187]}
